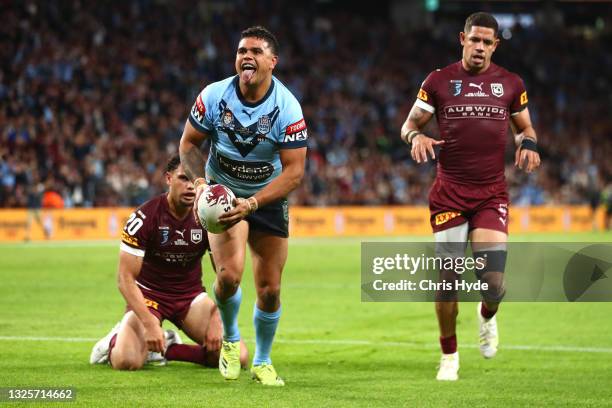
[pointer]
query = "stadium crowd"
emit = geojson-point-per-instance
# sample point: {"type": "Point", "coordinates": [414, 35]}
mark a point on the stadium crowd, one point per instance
{"type": "Point", "coordinates": [93, 98]}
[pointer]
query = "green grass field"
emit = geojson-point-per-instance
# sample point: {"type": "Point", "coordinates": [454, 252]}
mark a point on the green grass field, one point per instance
{"type": "Point", "coordinates": [56, 300]}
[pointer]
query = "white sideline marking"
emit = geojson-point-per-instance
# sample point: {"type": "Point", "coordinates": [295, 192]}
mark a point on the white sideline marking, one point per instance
{"type": "Point", "coordinates": [349, 342]}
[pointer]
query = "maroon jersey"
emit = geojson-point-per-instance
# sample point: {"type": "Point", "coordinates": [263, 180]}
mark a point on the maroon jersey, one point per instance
{"type": "Point", "coordinates": [172, 249]}
{"type": "Point", "coordinates": [472, 112]}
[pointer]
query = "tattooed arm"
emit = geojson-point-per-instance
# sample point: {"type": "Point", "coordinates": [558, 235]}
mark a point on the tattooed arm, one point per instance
{"type": "Point", "coordinates": [191, 156]}
{"type": "Point", "coordinates": [411, 134]}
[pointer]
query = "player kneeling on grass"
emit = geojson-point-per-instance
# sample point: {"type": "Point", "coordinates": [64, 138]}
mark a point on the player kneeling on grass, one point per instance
{"type": "Point", "coordinates": [160, 277]}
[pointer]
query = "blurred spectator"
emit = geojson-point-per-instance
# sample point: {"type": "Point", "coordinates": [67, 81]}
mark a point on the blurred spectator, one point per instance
{"type": "Point", "coordinates": [35, 190]}
{"type": "Point", "coordinates": [52, 199]}
{"type": "Point", "coordinates": [94, 96]}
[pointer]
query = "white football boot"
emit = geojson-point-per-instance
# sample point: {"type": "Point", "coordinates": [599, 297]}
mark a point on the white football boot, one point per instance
{"type": "Point", "coordinates": [156, 358]}
{"type": "Point", "coordinates": [488, 338]}
{"type": "Point", "coordinates": [99, 353]}
{"type": "Point", "coordinates": [449, 367]}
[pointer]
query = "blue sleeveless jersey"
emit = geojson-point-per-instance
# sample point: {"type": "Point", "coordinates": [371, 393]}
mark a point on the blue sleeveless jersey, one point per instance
{"type": "Point", "coordinates": [247, 137]}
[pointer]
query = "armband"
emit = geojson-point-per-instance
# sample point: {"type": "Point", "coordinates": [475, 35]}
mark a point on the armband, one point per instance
{"type": "Point", "coordinates": [529, 144]}
{"type": "Point", "coordinates": [410, 136]}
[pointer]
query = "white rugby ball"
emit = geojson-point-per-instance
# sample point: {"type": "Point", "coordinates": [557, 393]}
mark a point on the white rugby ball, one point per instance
{"type": "Point", "coordinates": [214, 201]}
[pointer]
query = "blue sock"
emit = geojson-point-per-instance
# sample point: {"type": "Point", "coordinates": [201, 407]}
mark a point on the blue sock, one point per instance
{"type": "Point", "coordinates": [229, 315]}
{"type": "Point", "coordinates": [265, 328]}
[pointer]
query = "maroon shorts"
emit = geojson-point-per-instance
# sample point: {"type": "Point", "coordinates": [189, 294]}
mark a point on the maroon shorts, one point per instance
{"type": "Point", "coordinates": [481, 206]}
{"type": "Point", "coordinates": [168, 306]}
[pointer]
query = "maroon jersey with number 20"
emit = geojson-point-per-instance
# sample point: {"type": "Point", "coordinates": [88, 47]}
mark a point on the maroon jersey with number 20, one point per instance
{"type": "Point", "coordinates": [172, 248]}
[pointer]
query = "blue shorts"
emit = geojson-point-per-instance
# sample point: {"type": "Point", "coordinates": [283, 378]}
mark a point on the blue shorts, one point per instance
{"type": "Point", "coordinates": [272, 218]}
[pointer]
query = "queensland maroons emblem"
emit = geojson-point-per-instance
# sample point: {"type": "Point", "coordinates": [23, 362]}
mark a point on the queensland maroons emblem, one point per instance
{"type": "Point", "coordinates": [497, 89]}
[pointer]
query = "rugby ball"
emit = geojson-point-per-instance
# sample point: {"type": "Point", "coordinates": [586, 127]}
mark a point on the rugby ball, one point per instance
{"type": "Point", "coordinates": [214, 201]}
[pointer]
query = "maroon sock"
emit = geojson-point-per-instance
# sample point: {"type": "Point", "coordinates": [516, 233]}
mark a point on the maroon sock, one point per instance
{"type": "Point", "coordinates": [486, 313]}
{"type": "Point", "coordinates": [449, 344]}
{"type": "Point", "coordinates": [111, 344]}
{"type": "Point", "coordinates": [190, 353]}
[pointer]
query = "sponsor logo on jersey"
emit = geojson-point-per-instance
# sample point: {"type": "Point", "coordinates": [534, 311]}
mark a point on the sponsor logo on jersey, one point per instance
{"type": "Point", "coordinates": [264, 124]}
{"type": "Point", "coordinates": [422, 95]}
{"type": "Point", "coordinates": [524, 99]}
{"type": "Point", "coordinates": [479, 86]}
{"type": "Point", "coordinates": [180, 241]}
{"type": "Point", "coordinates": [198, 110]}
{"type": "Point", "coordinates": [196, 236]}
{"type": "Point", "coordinates": [178, 257]}
{"type": "Point", "coordinates": [296, 137]}
{"type": "Point", "coordinates": [454, 87]}
{"type": "Point", "coordinates": [296, 132]}
{"type": "Point", "coordinates": [478, 94]}
{"type": "Point", "coordinates": [497, 89]}
{"type": "Point", "coordinates": [181, 233]}
{"type": "Point", "coordinates": [475, 112]}
{"type": "Point", "coordinates": [296, 127]}
{"type": "Point", "coordinates": [200, 105]}
{"type": "Point", "coordinates": [445, 217]}
{"type": "Point", "coordinates": [245, 171]}
{"type": "Point", "coordinates": [246, 112]}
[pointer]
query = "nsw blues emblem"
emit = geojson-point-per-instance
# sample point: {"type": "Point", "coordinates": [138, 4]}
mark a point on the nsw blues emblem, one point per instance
{"type": "Point", "coordinates": [454, 87]}
{"type": "Point", "coordinates": [264, 124]}
{"type": "Point", "coordinates": [164, 236]}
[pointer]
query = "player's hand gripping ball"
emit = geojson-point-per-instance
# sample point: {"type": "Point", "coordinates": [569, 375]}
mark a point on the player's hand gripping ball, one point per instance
{"type": "Point", "coordinates": [214, 201]}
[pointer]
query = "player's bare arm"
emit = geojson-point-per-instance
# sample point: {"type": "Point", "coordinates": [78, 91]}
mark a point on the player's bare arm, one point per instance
{"type": "Point", "coordinates": [192, 159]}
{"type": "Point", "coordinates": [292, 161]}
{"type": "Point", "coordinates": [129, 269]}
{"type": "Point", "coordinates": [525, 138]}
{"type": "Point", "coordinates": [189, 151]}
{"type": "Point", "coordinates": [411, 134]}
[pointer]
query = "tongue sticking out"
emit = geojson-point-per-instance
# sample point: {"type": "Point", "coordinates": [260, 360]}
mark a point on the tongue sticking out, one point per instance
{"type": "Point", "coordinates": [247, 75]}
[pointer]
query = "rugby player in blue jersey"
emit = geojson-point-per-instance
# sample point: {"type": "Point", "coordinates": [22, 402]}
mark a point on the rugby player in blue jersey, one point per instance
{"type": "Point", "coordinates": [258, 149]}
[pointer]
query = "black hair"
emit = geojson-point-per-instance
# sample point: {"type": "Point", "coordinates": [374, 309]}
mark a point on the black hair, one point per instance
{"type": "Point", "coordinates": [173, 163]}
{"type": "Point", "coordinates": [481, 19]}
{"type": "Point", "coordinates": [264, 34]}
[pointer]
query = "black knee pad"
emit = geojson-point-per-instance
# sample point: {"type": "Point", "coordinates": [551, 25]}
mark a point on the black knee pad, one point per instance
{"type": "Point", "coordinates": [495, 261]}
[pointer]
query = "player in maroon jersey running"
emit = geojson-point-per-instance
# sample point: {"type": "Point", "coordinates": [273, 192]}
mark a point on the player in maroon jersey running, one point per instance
{"type": "Point", "coordinates": [473, 100]}
{"type": "Point", "coordinates": [160, 277]}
